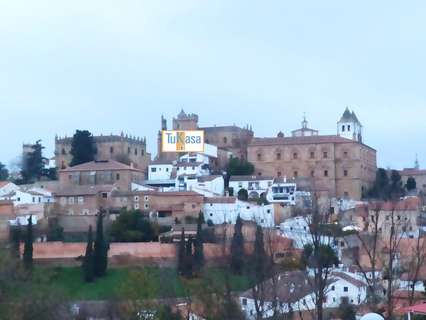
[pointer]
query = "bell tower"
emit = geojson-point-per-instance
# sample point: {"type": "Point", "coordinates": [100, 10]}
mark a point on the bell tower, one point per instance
{"type": "Point", "coordinates": [349, 126]}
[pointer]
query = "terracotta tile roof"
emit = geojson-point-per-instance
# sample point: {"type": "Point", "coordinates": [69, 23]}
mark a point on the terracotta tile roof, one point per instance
{"type": "Point", "coordinates": [348, 278]}
{"type": "Point", "coordinates": [208, 178]}
{"type": "Point", "coordinates": [4, 183]}
{"type": "Point", "coordinates": [250, 178]}
{"type": "Point", "coordinates": [320, 139]}
{"type": "Point", "coordinates": [412, 172]}
{"type": "Point", "coordinates": [160, 161]}
{"type": "Point", "coordinates": [220, 199]}
{"type": "Point", "coordinates": [290, 287]}
{"type": "Point", "coordinates": [83, 190]}
{"type": "Point", "coordinates": [103, 165]}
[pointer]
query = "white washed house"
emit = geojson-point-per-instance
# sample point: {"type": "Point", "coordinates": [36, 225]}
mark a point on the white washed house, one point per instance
{"type": "Point", "coordinates": [220, 210]}
{"type": "Point", "coordinates": [293, 291]}
{"type": "Point", "coordinates": [255, 185]}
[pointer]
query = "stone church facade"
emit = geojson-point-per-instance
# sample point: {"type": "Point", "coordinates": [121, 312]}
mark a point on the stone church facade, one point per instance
{"type": "Point", "coordinates": [340, 165]}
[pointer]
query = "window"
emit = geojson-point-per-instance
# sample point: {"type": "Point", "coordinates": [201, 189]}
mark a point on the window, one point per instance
{"type": "Point", "coordinates": [136, 198]}
{"type": "Point", "coordinates": [33, 199]}
{"type": "Point", "coordinates": [333, 288]}
{"type": "Point", "coordinates": [346, 194]}
{"type": "Point", "coordinates": [153, 169]}
{"type": "Point", "coordinates": [295, 174]}
{"type": "Point", "coordinates": [117, 176]}
{"type": "Point", "coordinates": [259, 156]}
{"type": "Point", "coordinates": [63, 200]}
{"type": "Point", "coordinates": [225, 140]}
{"type": "Point", "coordinates": [312, 173]}
{"type": "Point", "coordinates": [343, 128]}
{"type": "Point", "coordinates": [128, 150]}
{"type": "Point", "coordinates": [80, 200]}
{"type": "Point", "coordinates": [111, 150]}
{"type": "Point", "coordinates": [312, 155]}
{"type": "Point", "coordinates": [142, 152]}
{"type": "Point", "coordinates": [278, 156]}
{"type": "Point", "coordinates": [63, 151]}
{"type": "Point", "coordinates": [104, 195]}
{"type": "Point", "coordinates": [244, 302]}
{"type": "Point", "coordinates": [71, 200]}
{"type": "Point", "coordinates": [325, 154]}
{"type": "Point", "coordinates": [146, 206]}
{"type": "Point", "coordinates": [295, 155]}
{"type": "Point", "coordinates": [193, 206]}
{"type": "Point", "coordinates": [85, 212]}
{"type": "Point", "coordinates": [345, 154]}
{"type": "Point", "coordinates": [345, 173]}
{"type": "Point", "coordinates": [136, 152]}
{"type": "Point", "coordinates": [279, 173]}
{"type": "Point", "coordinates": [145, 198]}
{"type": "Point", "coordinates": [136, 206]}
{"type": "Point", "coordinates": [349, 127]}
{"type": "Point", "coordinates": [345, 289]}
{"type": "Point", "coordinates": [325, 173]}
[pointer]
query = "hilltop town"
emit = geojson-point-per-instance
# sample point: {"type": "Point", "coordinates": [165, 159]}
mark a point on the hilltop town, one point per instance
{"type": "Point", "coordinates": [296, 225]}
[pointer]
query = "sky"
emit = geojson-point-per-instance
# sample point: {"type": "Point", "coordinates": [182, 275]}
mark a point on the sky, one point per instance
{"type": "Point", "coordinates": [112, 66]}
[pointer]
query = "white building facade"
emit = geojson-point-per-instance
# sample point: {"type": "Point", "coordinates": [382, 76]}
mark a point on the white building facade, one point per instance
{"type": "Point", "coordinates": [220, 210]}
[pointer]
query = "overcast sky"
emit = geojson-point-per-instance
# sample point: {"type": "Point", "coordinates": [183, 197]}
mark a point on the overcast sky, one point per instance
{"type": "Point", "coordinates": [109, 66]}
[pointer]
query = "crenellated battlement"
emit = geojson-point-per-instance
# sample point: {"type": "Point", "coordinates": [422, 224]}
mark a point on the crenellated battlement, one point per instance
{"type": "Point", "coordinates": [107, 139]}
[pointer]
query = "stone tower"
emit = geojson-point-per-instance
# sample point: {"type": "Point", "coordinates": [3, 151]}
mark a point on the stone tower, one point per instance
{"type": "Point", "coordinates": [349, 126]}
{"type": "Point", "coordinates": [185, 121]}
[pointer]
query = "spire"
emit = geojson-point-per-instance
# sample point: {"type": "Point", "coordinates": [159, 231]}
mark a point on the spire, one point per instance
{"type": "Point", "coordinates": [416, 163]}
{"type": "Point", "coordinates": [304, 122]}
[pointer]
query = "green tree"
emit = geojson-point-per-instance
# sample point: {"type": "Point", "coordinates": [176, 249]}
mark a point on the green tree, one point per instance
{"type": "Point", "coordinates": [82, 147]}
{"type": "Point", "coordinates": [237, 248]}
{"type": "Point", "coordinates": [181, 254]}
{"type": "Point", "coordinates": [131, 226]}
{"type": "Point", "coordinates": [100, 249]}
{"type": "Point", "coordinates": [411, 184]}
{"type": "Point", "coordinates": [189, 259]}
{"type": "Point", "coordinates": [55, 232]}
{"type": "Point", "coordinates": [88, 265]}
{"type": "Point", "coordinates": [199, 245]}
{"type": "Point", "coordinates": [4, 173]}
{"type": "Point", "coordinates": [243, 195]}
{"type": "Point", "coordinates": [239, 167]}
{"type": "Point", "coordinates": [346, 311]}
{"type": "Point", "coordinates": [322, 256]}
{"type": "Point", "coordinates": [33, 164]}
{"type": "Point", "coordinates": [396, 189]}
{"type": "Point", "coordinates": [259, 256]}
{"type": "Point", "coordinates": [28, 246]}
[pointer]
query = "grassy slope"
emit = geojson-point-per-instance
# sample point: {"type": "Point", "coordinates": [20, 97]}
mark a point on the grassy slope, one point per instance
{"type": "Point", "coordinates": [126, 283]}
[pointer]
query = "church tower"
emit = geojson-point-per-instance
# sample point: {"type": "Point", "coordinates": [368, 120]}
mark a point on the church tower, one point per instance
{"type": "Point", "coordinates": [349, 126]}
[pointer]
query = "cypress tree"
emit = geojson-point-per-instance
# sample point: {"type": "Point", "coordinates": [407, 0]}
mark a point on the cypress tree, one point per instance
{"type": "Point", "coordinates": [181, 254]}
{"type": "Point", "coordinates": [259, 256]}
{"type": "Point", "coordinates": [198, 245]}
{"type": "Point", "coordinates": [100, 249]}
{"type": "Point", "coordinates": [237, 247]}
{"type": "Point", "coordinates": [88, 265]}
{"type": "Point", "coordinates": [188, 258]}
{"type": "Point", "coordinates": [28, 247]}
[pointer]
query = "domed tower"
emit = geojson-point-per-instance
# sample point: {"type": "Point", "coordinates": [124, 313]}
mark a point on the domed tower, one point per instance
{"type": "Point", "coordinates": [349, 126]}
